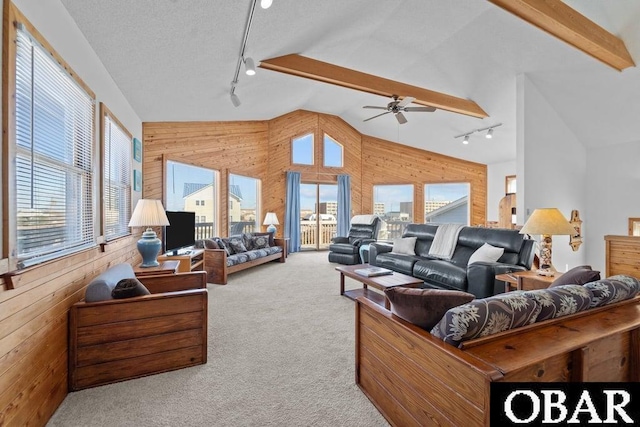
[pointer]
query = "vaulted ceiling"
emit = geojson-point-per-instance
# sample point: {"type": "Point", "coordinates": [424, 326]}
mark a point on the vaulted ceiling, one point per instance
{"type": "Point", "coordinates": [174, 60]}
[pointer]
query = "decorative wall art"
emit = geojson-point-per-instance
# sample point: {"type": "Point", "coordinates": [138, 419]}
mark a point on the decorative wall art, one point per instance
{"type": "Point", "coordinates": [137, 180]}
{"type": "Point", "coordinates": [137, 150]}
{"type": "Point", "coordinates": [575, 240]}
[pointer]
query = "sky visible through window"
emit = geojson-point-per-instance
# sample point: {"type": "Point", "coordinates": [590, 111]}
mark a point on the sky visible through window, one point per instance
{"type": "Point", "coordinates": [179, 174]}
{"type": "Point", "coordinates": [302, 149]}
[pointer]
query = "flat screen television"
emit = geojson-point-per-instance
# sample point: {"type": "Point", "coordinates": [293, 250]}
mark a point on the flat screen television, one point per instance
{"type": "Point", "coordinates": [181, 230]}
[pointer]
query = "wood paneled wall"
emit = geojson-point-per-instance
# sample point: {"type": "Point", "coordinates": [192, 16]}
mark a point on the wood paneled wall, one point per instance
{"type": "Point", "coordinates": [229, 147]}
{"type": "Point", "coordinates": [418, 167]}
{"type": "Point", "coordinates": [263, 150]}
{"type": "Point", "coordinates": [34, 330]}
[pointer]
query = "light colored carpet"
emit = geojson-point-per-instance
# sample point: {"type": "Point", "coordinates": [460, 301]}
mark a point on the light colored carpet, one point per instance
{"type": "Point", "coordinates": [281, 353]}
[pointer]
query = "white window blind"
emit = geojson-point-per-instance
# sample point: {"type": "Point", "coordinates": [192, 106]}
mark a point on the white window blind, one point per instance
{"type": "Point", "coordinates": [53, 168]}
{"type": "Point", "coordinates": [117, 180]}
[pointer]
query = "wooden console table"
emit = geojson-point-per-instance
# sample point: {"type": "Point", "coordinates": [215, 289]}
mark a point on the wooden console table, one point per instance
{"type": "Point", "coordinates": [191, 261]}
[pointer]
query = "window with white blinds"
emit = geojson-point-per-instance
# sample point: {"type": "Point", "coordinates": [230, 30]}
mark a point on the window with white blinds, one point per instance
{"type": "Point", "coordinates": [53, 164]}
{"type": "Point", "coordinates": [117, 179]}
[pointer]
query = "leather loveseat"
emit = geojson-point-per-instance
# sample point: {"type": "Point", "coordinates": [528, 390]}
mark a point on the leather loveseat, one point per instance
{"type": "Point", "coordinates": [477, 278]}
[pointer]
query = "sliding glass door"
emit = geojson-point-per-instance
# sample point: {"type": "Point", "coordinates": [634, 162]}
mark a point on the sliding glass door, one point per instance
{"type": "Point", "coordinates": [318, 211]}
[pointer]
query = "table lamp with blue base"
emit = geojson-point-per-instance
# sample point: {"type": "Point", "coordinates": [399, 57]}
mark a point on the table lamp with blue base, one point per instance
{"type": "Point", "coordinates": [270, 219]}
{"type": "Point", "coordinates": [149, 213]}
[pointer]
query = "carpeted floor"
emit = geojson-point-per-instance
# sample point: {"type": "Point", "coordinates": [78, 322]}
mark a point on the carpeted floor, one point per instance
{"type": "Point", "coordinates": [281, 353]}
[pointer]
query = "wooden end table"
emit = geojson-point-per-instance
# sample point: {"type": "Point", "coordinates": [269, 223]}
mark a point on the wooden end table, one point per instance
{"type": "Point", "coordinates": [379, 282]}
{"type": "Point", "coordinates": [526, 280]}
{"type": "Point", "coordinates": [165, 267]}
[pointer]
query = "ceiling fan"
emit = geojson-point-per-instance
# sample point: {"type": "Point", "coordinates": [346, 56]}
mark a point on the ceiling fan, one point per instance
{"type": "Point", "coordinates": [397, 107]}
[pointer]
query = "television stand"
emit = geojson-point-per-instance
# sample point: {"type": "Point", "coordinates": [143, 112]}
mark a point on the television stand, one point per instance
{"type": "Point", "coordinates": [191, 260]}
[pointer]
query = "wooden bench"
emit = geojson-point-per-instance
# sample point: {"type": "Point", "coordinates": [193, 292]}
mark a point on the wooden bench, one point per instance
{"type": "Point", "coordinates": [121, 339]}
{"type": "Point", "coordinates": [415, 379]}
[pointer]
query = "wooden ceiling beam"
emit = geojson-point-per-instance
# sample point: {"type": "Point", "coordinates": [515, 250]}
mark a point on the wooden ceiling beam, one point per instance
{"type": "Point", "coordinates": [560, 20]}
{"type": "Point", "coordinates": [302, 66]}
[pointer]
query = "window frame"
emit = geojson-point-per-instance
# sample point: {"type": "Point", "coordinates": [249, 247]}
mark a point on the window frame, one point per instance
{"type": "Point", "coordinates": [324, 151]}
{"type": "Point", "coordinates": [393, 227]}
{"type": "Point", "coordinates": [216, 187]}
{"type": "Point", "coordinates": [11, 261]}
{"type": "Point", "coordinates": [105, 114]}
{"type": "Point", "coordinates": [258, 211]}
{"type": "Point", "coordinates": [425, 200]}
{"type": "Point", "coordinates": [313, 149]}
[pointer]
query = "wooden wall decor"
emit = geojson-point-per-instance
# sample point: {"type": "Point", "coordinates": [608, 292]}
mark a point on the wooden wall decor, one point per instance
{"type": "Point", "coordinates": [575, 240]}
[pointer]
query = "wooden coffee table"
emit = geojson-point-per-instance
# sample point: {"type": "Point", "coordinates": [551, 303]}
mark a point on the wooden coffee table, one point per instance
{"type": "Point", "coordinates": [380, 282]}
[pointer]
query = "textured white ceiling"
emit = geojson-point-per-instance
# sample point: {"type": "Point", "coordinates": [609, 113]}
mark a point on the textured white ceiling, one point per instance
{"type": "Point", "coordinates": [174, 61]}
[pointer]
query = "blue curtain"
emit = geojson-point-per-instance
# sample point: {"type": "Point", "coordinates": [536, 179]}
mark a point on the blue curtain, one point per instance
{"type": "Point", "coordinates": [344, 204]}
{"type": "Point", "coordinates": [292, 212]}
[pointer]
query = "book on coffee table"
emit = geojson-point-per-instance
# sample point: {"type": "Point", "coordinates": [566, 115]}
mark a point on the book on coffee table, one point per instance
{"type": "Point", "coordinates": [372, 271]}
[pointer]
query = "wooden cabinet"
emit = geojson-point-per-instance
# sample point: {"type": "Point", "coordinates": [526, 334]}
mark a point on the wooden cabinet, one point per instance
{"type": "Point", "coordinates": [191, 261]}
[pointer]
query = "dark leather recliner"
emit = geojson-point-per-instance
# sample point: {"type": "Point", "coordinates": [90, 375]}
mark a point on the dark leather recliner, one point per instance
{"type": "Point", "coordinates": [346, 250]}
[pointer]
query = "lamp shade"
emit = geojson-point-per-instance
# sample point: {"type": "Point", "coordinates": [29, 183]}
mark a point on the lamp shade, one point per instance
{"type": "Point", "coordinates": [148, 213]}
{"type": "Point", "coordinates": [547, 221]}
{"type": "Point", "coordinates": [270, 219]}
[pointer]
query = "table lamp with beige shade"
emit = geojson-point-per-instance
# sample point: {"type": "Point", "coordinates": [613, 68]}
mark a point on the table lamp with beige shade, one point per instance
{"type": "Point", "coordinates": [547, 222]}
{"type": "Point", "coordinates": [149, 213]}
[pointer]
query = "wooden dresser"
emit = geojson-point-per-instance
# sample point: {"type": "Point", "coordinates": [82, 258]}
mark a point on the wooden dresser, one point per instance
{"type": "Point", "coordinates": [622, 255]}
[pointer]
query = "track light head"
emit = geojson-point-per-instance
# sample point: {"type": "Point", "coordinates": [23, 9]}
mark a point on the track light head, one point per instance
{"type": "Point", "coordinates": [235, 100]}
{"type": "Point", "coordinates": [250, 67]}
{"type": "Point", "coordinates": [489, 134]}
{"type": "Point", "coordinates": [265, 4]}
{"type": "Point", "coordinates": [466, 139]}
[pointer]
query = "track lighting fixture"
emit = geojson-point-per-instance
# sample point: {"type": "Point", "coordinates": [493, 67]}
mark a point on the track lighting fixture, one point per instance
{"type": "Point", "coordinates": [235, 100]}
{"type": "Point", "coordinates": [489, 134]}
{"type": "Point", "coordinates": [249, 67]}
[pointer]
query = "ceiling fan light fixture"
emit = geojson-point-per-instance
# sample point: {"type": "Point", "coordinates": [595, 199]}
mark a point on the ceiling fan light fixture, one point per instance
{"type": "Point", "coordinates": [250, 66]}
{"type": "Point", "coordinates": [265, 4]}
{"type": "Point", "coordinates": [489, 134]}
{"type": "Point", "coordinates": [465, 141]}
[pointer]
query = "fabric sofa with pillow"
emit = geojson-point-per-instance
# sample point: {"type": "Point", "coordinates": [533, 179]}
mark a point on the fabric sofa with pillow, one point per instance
{"type": "Point", "coordinates": [442, 376]}
{"type": "Point", "coordinates": [478, 255]}
{"type": "Point", "coordinates": [223, 256]}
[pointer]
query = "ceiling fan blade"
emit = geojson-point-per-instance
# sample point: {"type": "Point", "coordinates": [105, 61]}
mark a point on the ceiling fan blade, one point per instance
{"type": "Point", "coordinates": [370, 118]}
{"type": "Point", "coordinates": [406, 101]}
{"type": "Point", "coordinates": [429, 109]}
{"type": "Point", "coordinates": [401, 118]}
{"type": "Point", "coordinates": [374, 107]}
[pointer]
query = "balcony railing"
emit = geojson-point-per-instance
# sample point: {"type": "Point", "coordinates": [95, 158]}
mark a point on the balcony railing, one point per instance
{"type": "Point", "coordinates": [328, 230]}
{"type": "Point", "coordinates": [308, 231]}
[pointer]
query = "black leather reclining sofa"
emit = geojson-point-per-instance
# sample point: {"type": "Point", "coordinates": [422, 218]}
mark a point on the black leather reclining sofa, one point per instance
{"type": "Point", "coordinates": [477, 278]}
